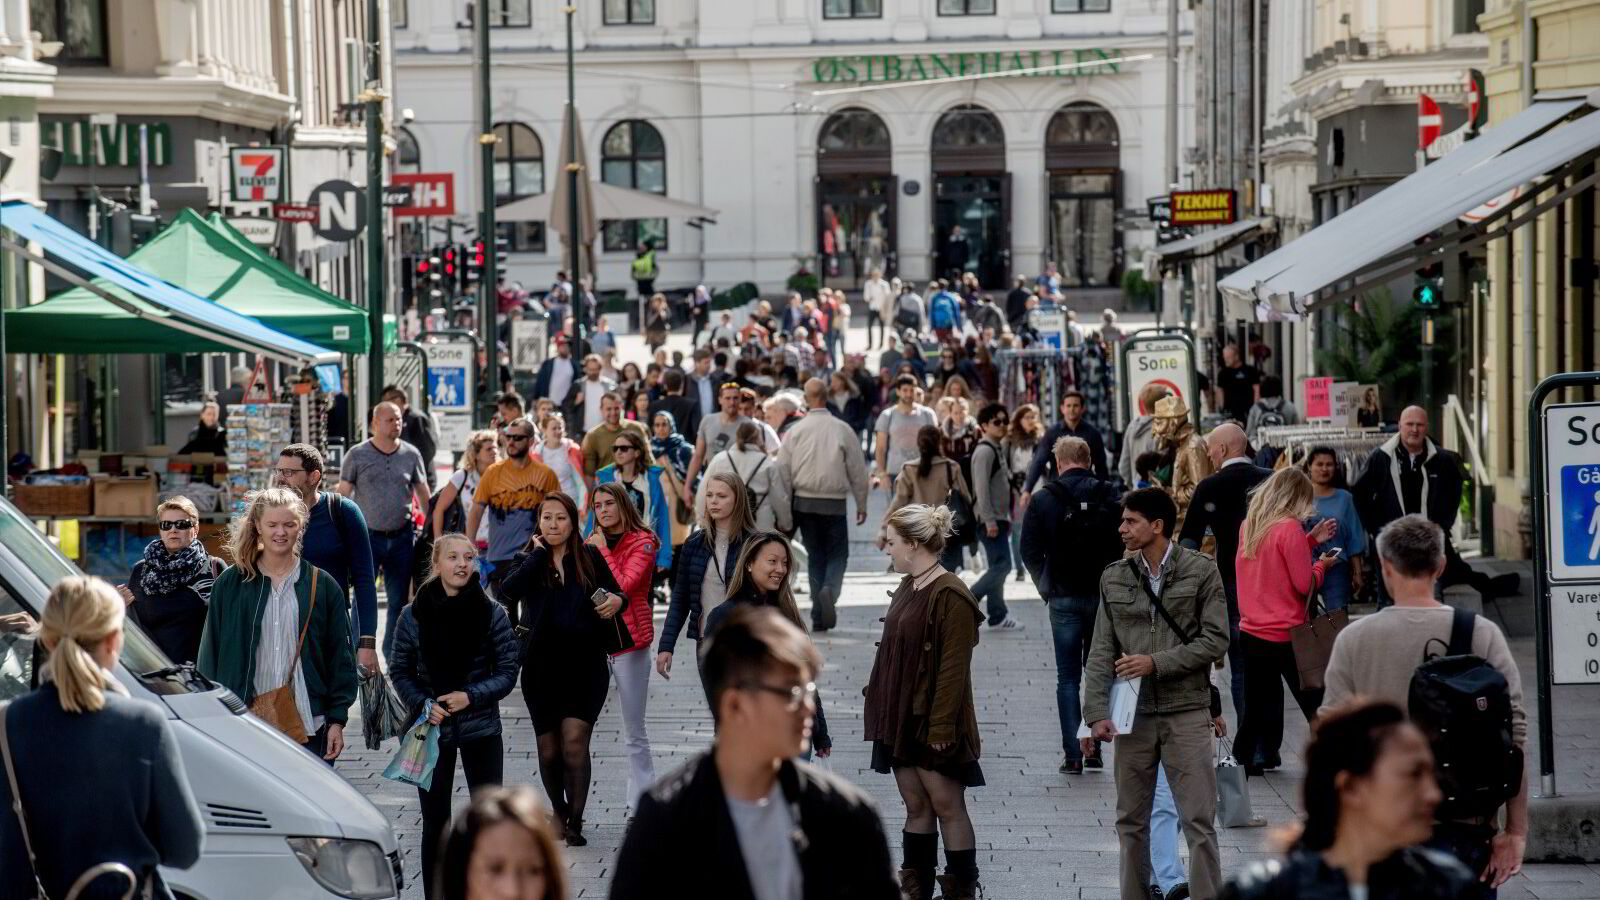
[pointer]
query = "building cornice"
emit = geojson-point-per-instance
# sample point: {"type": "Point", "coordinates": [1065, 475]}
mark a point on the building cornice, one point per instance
{"type": "Point", "coordinates": [26, 78]}
{"type": "Point", "coordinates": [1388, 81]}
{"type": "Point", "coordinates": [206, 98]}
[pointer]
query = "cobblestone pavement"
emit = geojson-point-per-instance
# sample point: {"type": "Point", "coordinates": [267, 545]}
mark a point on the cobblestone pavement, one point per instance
{"type": "Point", "coordinates": [1040, 834]}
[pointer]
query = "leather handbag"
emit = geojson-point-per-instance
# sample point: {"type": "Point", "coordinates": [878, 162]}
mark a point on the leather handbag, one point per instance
{"type": "Point", "coordinates": [90, 875]}
{"type": "Point", "coordinates": [1313, 641]}
{"type": "Point", "coordinates": [615, 636]}
{"type": "Point", "coordinates": [276, 707]}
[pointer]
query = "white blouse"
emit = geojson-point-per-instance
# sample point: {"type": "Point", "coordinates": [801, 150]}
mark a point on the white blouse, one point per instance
{"type": "Point", "coordinates": [275, 654]}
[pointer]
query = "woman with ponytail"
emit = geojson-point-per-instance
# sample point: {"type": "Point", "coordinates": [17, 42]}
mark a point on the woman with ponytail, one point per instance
{"type": "Point", "coordinates": [57, 741]}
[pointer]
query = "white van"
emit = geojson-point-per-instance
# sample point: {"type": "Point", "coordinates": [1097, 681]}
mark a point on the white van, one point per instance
{"type": "Point", "coordinates": [279, 823]}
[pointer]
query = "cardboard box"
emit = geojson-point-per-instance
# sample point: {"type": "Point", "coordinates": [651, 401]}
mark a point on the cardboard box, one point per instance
{"type": "Point", "coordinates": [127, 497]}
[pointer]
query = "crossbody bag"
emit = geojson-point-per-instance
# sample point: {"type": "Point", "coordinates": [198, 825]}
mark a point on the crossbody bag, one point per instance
{"type": "Point", "coordinates": [276, 707]}
{"type": "Point", "coordinates": [1155, 600]}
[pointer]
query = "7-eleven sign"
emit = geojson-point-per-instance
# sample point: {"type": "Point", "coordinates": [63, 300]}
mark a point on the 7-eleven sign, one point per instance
{"type": "Point", "coordinates": [256, 174]}
{"type": "Point", "coordinates": [1429, 121]}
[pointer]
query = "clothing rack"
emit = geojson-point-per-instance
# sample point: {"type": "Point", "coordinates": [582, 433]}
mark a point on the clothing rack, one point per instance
{"type": "Point", "coordinates": [1352, 445]}
{"type": "Point", "coordinates": [1041, 375]}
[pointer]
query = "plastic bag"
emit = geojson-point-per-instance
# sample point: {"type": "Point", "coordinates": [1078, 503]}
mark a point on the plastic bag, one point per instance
{"type": "Point", "coordinates": [383, 716]}
{"type": "Point", "coordinates": [1233, 794]}
{"type": "Point", "coordinates": [419, 750]}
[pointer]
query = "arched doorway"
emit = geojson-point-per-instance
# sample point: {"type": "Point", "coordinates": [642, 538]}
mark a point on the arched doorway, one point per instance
{"type": "Point", "coordinates": [971, 197]}
{"type": "Point", "coordinates": [1084, 157]}
{"type": "Point", "coordinates": [855, 199]}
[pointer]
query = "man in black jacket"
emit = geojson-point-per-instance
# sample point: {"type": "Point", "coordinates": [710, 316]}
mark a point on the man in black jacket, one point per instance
{"type": "Point", "coordinates": [1219, 504]}
{"type": "Point", "coordinates": [1072, 424]}
{"type": "Point", "coordinates": [1408, 475]}
{"type": "Point", "coordinates": [746, 811]}
{"type": "Point", "coordinates": [685, 410]}
{"type": "Point", "coordinates": [1069, 535]}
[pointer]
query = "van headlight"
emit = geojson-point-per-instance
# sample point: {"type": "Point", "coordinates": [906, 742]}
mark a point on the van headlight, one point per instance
{"type": "Point", "coordinates": [354, 869]}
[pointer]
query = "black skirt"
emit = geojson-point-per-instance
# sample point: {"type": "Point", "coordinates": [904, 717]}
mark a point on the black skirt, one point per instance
{"type": "Point", "coordinates": [563, 681]}
{"type": "Point", "coordinates": [967, 774]}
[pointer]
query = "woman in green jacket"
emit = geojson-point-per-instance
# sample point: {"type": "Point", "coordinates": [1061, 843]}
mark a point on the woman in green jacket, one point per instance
{"type": "Point", "coordinates": [277, 632]}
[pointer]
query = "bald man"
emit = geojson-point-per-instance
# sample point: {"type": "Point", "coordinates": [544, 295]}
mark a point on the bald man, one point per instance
{"type": "Point", "coordinates": [1219, 505]}
{"type": "Point", "coordinates": [827, 465]}
{"type": "Point", "coordinates": [382, 474]}
{"type": "Point", "coordinates": [1410, 474]}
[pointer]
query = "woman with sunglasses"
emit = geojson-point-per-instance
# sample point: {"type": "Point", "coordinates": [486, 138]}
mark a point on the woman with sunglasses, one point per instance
{"type": "Point", "coordinates": [171, 585]}
{"type": "Point", "coordinates": [645, 485]}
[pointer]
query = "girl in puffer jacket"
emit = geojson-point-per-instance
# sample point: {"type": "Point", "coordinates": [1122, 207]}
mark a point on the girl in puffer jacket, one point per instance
{"type": "Point", "coordinates": [630, 548]}
{"type": "Point", "coordinates": [455, 654]}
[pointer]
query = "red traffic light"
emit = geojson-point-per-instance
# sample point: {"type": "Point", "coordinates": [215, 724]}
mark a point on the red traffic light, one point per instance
{"type": "Point", "coordinates": [422, 267]}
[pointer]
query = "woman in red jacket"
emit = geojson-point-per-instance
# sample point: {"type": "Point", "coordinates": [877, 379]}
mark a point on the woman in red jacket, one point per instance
{"type": "Point", "coordinates": [629, 547]}
{"type": "Point", "coordinates": [1276, 573]}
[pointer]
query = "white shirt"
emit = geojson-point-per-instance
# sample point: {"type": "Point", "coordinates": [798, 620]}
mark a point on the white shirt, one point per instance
{"type": "Point", "coordinates": [1236, 461]}
{"type": "Point", "coordinates": [1159, 574]}
{"type": "Point", "coordinates": [466, 484]}
{"type": "Point", "coordinates": [560, 379]}
{"type": "Point", "coordinates": [592, 392]}
{"type": "Point", "coordinates": [280, 637]}
{"type": "Point", "coordinates": [877, 295]}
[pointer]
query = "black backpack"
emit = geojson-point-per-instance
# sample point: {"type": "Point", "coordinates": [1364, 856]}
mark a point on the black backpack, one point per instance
{"type": "Point", "coordinates": [751, 497]}
{"type": "Point", "coordinates": [1463, 705]}
{"type": "Point", "coordinates": [1089, 524]}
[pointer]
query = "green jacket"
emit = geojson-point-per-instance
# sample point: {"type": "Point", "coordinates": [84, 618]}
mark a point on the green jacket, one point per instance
{"type": "Point", "coordinates": [1191, 592]}
{"type": "Point", "coordinates": [233, 632]}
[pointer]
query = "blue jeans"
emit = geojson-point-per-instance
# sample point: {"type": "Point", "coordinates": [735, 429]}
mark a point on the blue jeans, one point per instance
{"type": "Point", "coordinates": [991, 585]}
{"type": "Point", "coordinates": [1236, 667]}
{"type": "Point", "coordinates": [391, 555]}
{"type": "Point", "coordinates": [827, 542]}
{"type": "Point", "coordinates": [1166, 869]}
{"type": "Point", "coordinates": [1071, 628]}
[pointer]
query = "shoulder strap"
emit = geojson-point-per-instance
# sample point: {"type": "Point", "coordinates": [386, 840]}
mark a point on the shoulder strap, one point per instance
{"type": "Point", "coordinates": [1461, 625]}
{"type": "Point", "coordinates": [16, 799]}
{"type": "Point", "coordinates": [1155, 600]}
{"type": "Point", "coordinates": [757, 469]}
{"type": "Point", "coordinates": [310, 611]}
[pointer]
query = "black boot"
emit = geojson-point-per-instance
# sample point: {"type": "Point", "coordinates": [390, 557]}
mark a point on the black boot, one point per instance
{"type": "Point", "coordinates": [921, 861]}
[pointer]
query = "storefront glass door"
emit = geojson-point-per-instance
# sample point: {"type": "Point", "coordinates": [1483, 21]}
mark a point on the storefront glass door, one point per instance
{"type": "Point", "coordinates": [977, 205]}
{"type": "Point", "coordinates": [1083, 236]}
{"type": "Point", "coordinates": [855, 233]}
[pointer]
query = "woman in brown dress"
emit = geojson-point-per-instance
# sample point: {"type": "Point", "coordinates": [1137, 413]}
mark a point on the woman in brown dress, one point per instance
{"type": "Point", "coordinates": [919, 713]}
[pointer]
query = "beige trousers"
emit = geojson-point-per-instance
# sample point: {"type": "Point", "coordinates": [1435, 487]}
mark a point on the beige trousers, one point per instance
{"type": "Point", "coordinates": [1182, 742]}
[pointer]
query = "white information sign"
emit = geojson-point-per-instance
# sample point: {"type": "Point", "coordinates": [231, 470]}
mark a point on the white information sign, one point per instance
{"type": "Point", "coordinates": [450, 367]}
{"type": "Point", "coordinates": [529, 338]}
{"type": "Point", "coordinates": [1165, 361]}
{"type": "Point", "coordinates": [1572, 519]}
{"type": "Point", "coordinates": [1052, 325]}
{"type": "Point", "coordinates": [454, 429]}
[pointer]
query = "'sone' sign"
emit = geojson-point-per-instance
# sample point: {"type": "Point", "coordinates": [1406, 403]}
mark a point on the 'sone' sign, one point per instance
{"type": "Point", "coordinates": [256, 174]}
{"type": "Point", "coordinates": [432, 194]}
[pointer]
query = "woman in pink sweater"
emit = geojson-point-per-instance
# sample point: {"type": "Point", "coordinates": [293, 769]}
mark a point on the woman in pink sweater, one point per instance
{"type": "Point", "coordinates": [1276, 573]}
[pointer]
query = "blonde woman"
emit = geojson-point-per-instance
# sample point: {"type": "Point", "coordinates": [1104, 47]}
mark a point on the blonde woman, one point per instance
{"type": "Point", "coordinates": [1276, 572]}
{"type": "Point", "coordinates": [482, 452]}
{"type": "Point", "coordinates": [79, 743]}
{"type": "Point", "coordinates": [706, 562]}
{"type": "Point", "coordinates": [277, 633]}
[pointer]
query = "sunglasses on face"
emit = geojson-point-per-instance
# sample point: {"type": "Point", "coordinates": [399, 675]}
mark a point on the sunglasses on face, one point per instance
{"type": "Point", "coordinates": [178, 524]}
{"type": "Point", "coordinates": [624, 447]}
{"type": "Point", "coordinates": [517, 437]}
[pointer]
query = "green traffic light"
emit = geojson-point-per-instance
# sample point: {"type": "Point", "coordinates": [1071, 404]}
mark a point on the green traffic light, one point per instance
{"type": "Point", "coordinates": [1426, 295]}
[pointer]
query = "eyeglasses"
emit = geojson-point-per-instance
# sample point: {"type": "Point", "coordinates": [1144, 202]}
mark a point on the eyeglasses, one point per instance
{"type": "Point", "coordinates": [179, 524]}
{"type": "Point", "coordinates": [517, 437]}
{"type": "Point", "coordinates": [287, 473]}
{"type": "Point", "coordinates": [796, 695]}
{"type": "Point", "coordinates": [618, 448]}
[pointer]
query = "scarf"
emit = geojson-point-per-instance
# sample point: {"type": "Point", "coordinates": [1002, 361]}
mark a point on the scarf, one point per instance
{"type": "Point", "coordinates": [677, 450]}
{"type": "Point", "coordinates": [451, 632]}
{"type": "Point", "coordinates": [166, 572]}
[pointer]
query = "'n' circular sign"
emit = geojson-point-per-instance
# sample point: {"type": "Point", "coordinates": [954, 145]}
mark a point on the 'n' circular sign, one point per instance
{"type": "Point", "coordinates": [341, 210]}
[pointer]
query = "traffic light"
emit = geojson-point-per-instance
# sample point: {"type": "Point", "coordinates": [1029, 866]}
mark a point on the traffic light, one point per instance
{"type": "Point", "coordinates": [502, 246]}
{"type": "Point", "coordinates": [1428, 293]}
{"type": "Point", "coordinates": [430, 274]}
{"type": "Point", "coordinates": [475, 258]}
{"type": "Point", "coordinates": [450, 266]}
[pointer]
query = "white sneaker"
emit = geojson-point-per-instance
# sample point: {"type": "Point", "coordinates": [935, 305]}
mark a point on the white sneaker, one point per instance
{"type": "Point", "coordinates": [1009, 623]}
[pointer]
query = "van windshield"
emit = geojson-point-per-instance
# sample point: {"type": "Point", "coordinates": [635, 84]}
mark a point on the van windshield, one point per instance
{"type": "Point", "coordinates": [34, 552]}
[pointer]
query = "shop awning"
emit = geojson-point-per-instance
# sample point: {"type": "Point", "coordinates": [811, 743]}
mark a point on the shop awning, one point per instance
{"type": "Point", "coordinates": [1206, 243]}
{"type": "Point", "coordinates": [610, 202]}
{"type": "Point", "coordinates": [126, 309]}
{"type": "Point", "coordinates": [193, 254]}
{"type": "Point", "coordinates": [1378, 239]}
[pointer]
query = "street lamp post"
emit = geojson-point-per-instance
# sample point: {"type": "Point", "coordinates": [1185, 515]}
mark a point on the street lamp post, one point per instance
{"type": "Point", "coordinates": [377, 287]}
{"type": "Point", "coordinates": [490, 300]}
{"type": "Point", "coordinates": [580, 306]}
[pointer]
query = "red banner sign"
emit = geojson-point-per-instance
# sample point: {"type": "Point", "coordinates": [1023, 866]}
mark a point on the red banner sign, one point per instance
{"type": "Point", "coordinates": [432, 194]}
{"type": "Point", "coordinates": [294, 212]}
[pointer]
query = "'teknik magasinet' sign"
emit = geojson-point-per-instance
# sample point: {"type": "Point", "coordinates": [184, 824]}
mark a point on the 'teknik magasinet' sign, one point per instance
{"type": "Point", "coordinates": [928, 66]}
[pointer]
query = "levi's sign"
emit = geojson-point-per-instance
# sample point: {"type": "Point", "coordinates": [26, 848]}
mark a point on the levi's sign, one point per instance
{"type": "Point", "coordinates": [1203, 207]}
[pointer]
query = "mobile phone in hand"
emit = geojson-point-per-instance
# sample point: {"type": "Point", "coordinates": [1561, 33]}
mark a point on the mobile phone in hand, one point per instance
{"type": "Point", "coordinates": [598, 598]}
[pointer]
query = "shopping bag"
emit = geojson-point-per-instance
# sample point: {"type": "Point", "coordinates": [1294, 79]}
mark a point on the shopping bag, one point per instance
{"type": "Point", "coordinates": [419, 751]}
{"type": "Point", "coordinates": [1312, 642]}
{"type": "Point", "coordinates": [383, 716]}
{"type": "Point", "coordinates": [1233, 796]}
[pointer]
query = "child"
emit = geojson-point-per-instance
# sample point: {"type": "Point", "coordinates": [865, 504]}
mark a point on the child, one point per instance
{"type": "Point", "coordinates": [1144, 469]}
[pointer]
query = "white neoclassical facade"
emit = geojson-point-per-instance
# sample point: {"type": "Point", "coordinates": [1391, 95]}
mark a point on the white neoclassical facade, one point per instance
{"type": "Point", "coordinates": [840, 135]}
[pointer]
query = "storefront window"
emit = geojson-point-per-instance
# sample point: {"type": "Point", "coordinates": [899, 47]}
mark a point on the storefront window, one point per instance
{"type": "Point", "coordinates": [1082, 152]}
{"type": "Point", "coordinates": [509, 13]}
{"type": "Point", "coordinates": [630, 12]}
{"type": "Point", "coordinates": [966, 7]}
{"type": "Point", "coordinates": [518, 172]}
{"type": "Point", "coordinates": [634, 156]}
{"type": "Point", "coordinates": [80, 26]}
{"type": "Point", "coordinates": [971, 193]}
{"type": "Point", "coordinates": [852, 9]}
{"type": "Point", "coordinates": [1076, 6]}
{"type": "Point", "coordinates": [855, 199]}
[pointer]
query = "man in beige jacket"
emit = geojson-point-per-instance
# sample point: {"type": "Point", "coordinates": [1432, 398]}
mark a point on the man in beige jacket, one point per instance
{"type": "Point", "coordinates": [826, 465]}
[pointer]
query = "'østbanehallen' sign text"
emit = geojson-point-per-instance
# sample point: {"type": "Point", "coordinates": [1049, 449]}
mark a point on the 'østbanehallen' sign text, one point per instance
{"type": "Point", "coordinates": [928, 66]}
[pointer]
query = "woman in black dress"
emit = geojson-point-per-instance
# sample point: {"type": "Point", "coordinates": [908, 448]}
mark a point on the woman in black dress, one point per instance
{"type": "Point", "coordinates": [569, 601]}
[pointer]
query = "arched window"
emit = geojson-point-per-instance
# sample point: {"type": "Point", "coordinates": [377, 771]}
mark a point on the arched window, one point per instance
{"type": "Point", "coordinates": [855, 198]}
{"type": "Point", "coordinates": [1082, 151]}
{"type": "Point", "coordinates": [632, 155]}
{"type": "Point", "coordinates": [968, 126]}
{"type": "Point", "coordinates": [854, 129]}
{"type": "Point", "coordinates": [407, 158]}
{"type": "Point", "coordinates": [971, 196]}
{"type": "Point", "coordinates": [518, 172]}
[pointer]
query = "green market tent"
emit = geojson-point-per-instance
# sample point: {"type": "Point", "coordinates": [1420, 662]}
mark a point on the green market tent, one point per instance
{"type": "Point", "coordinates": [195, 255]}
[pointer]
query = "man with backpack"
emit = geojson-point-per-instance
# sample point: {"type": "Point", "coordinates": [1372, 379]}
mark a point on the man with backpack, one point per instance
{"type": "Point", "coordinates": [1453, 672]}
{"type": "Point", "coordinates": [991, 486]}
{"type": "Point", "coordinates": [1069, 536]}
{"type": "Point", "coordinates": [944, 311]}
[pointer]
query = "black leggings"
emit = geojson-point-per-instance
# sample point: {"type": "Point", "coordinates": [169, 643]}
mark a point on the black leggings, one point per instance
{"type": "Point", "coordinates": [565, 768]}
{"type": "Point", "coordinates": [1268, 665]}
{"type": "Point", "coordinates": [483, 760]}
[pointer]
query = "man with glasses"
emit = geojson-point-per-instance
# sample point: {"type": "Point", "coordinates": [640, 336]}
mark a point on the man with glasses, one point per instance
{"type": "Point", "coordinates": [383, 474]}
{"type": "Point", "coordinates": [598, 441]}
{"type": "Point", "coordinates": [716, 434]}
{"type": "Point", "coordinates": [509, 493]}
{"type": "Point", "coordinates": [336, 541]}
{"type": "Point", "coordinates": [797, 831]}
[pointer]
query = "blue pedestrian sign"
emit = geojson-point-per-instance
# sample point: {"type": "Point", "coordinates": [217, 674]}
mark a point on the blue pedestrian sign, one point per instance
{"type": "Point", "coordinates": [451, 366]}
{"type": "Point", "coordinates": [447, 388]}
{"type": "Point", "coordinates": [1580, 516]}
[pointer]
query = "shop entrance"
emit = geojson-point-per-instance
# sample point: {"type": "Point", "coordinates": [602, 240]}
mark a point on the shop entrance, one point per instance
{"type": "Point", "coordinates": [1083, 156]}
{"type": "Point", "coordinates": [972, 197]}
{"type": "Point", "coordinates": [976, 205]}
{"type": "Point", "coordinates": [855, 206]}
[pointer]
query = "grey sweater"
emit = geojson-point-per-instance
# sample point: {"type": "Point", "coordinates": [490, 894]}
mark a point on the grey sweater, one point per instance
{"type": "Point", "coordinates": [122, 762]}
{"type": "Point", "coordinates": [991, 483]}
